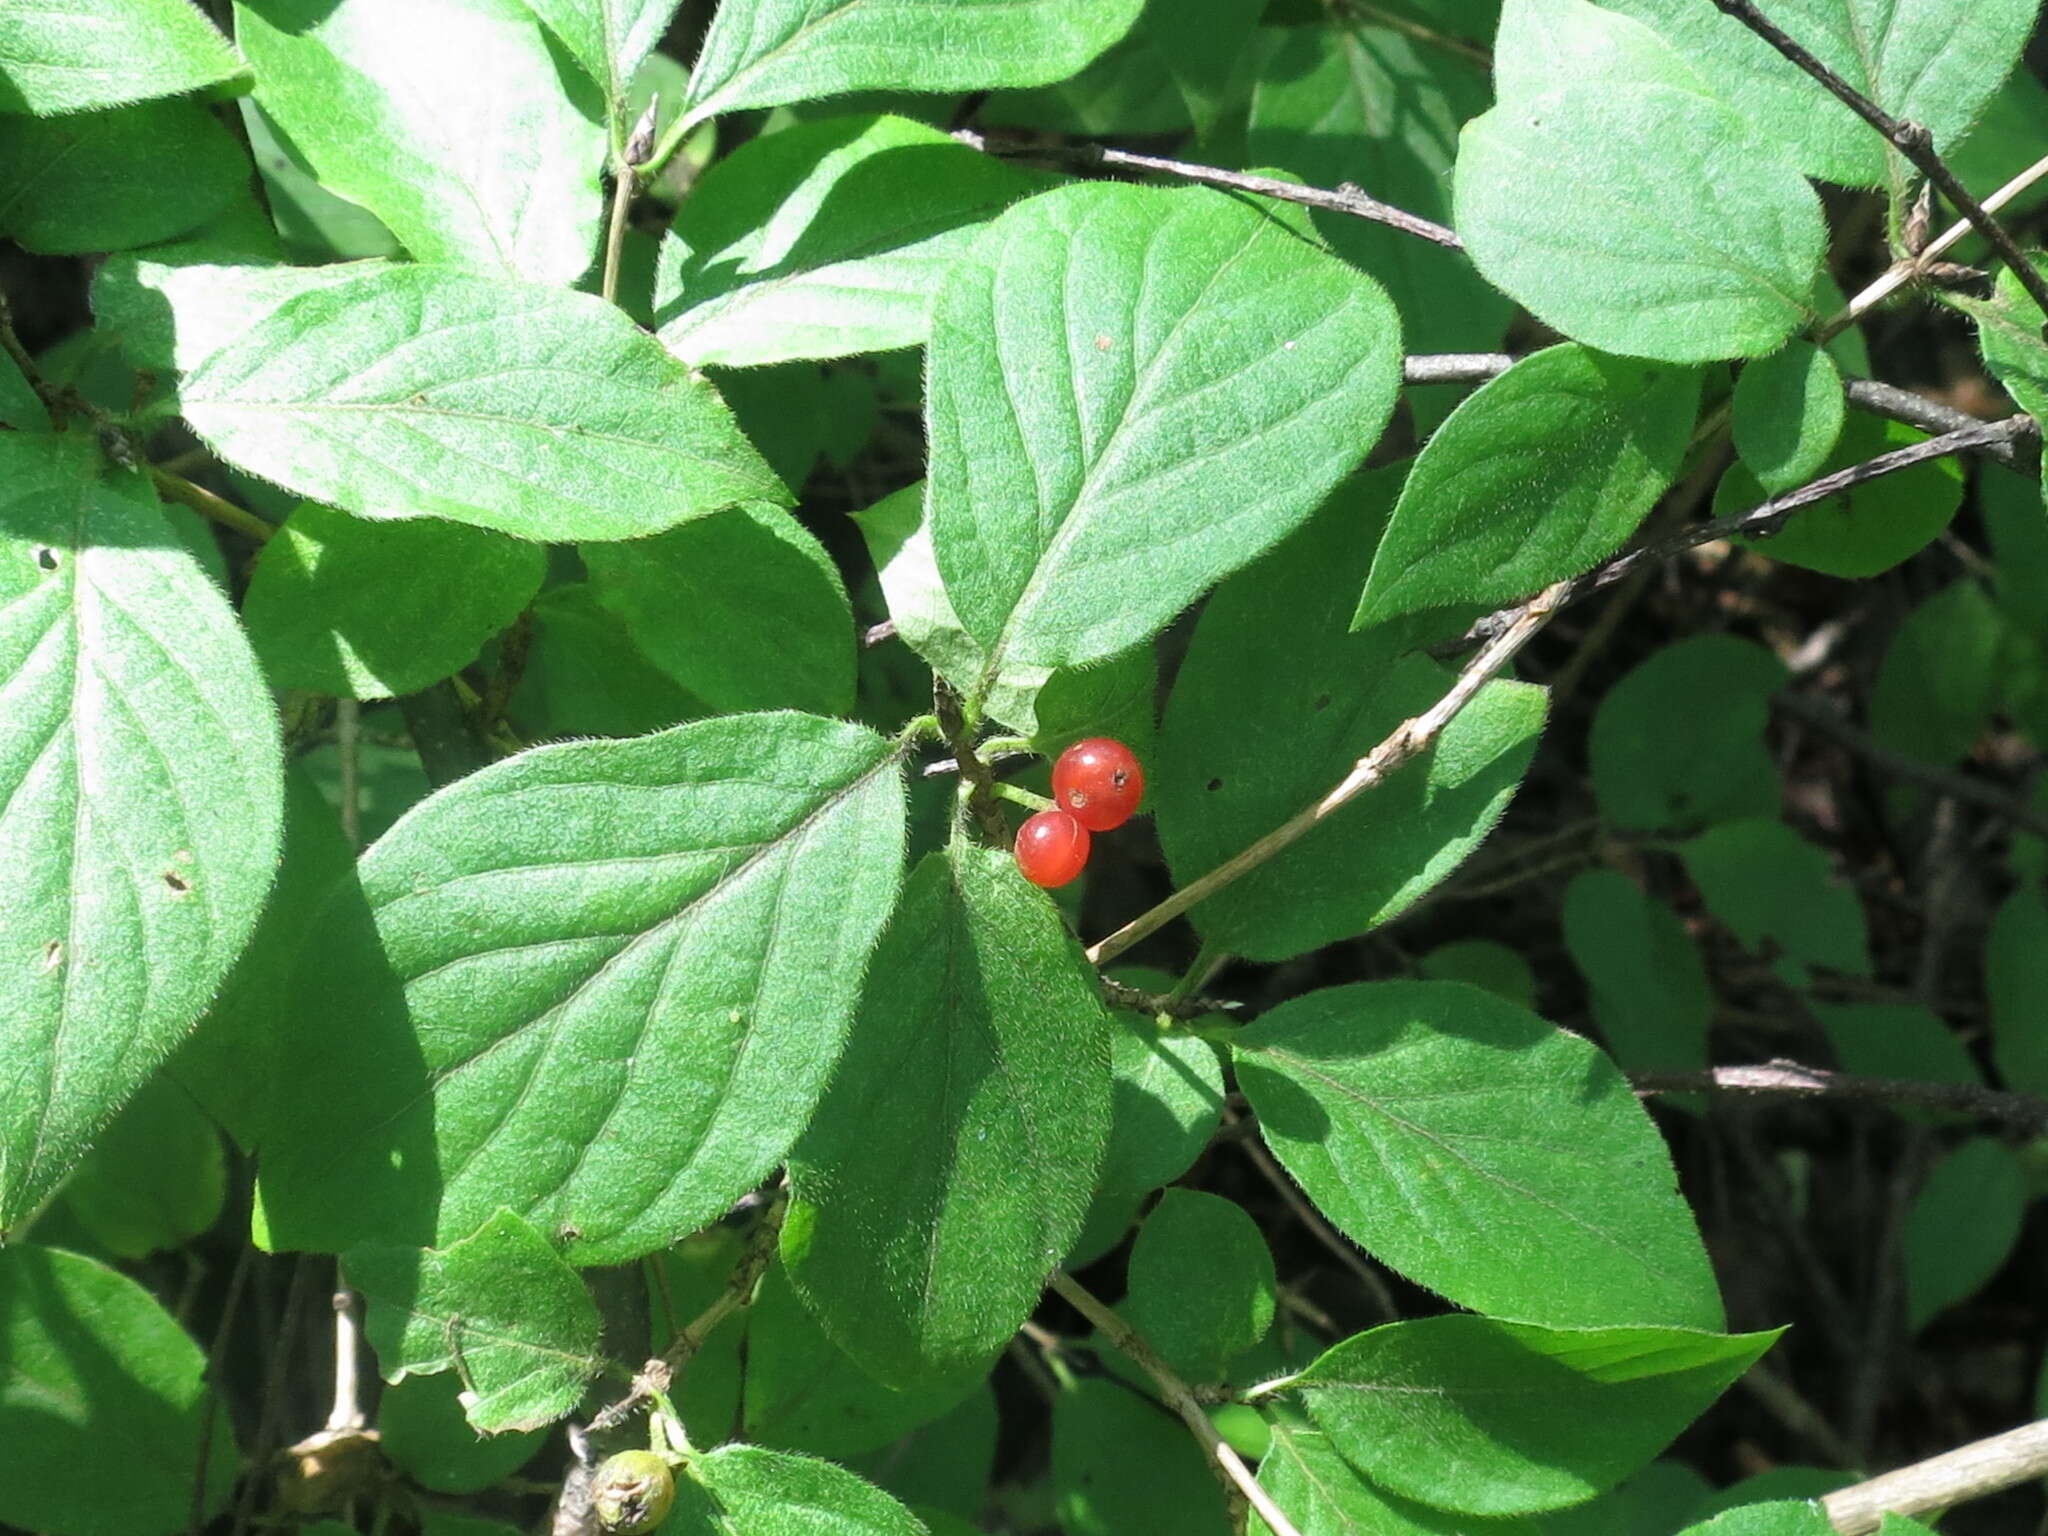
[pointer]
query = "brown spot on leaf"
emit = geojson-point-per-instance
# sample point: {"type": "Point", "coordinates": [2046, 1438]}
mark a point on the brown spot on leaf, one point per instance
{"type": "Point", "coordinates": [1215, 784]}
{"type": "Point", "coordinates": [179, 885]}
{"type": "Point", "coordinates": [45, 557]}
{"type": "Point", "coordinates": [53, 955]}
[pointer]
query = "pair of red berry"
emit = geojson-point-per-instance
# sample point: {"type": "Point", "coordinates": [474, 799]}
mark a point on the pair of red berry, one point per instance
{"type": "Point", "coordinates": [1096, 785]}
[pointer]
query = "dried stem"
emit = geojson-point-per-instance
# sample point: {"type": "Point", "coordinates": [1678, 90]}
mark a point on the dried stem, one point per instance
{"type": "Point", "coordinates": [2022, 1111]}
{"type": "Point", "coordinates": [1909, 138]}
{"type": "Point", "coordinates": [1955, 785]}
{"type": "Point", "coordinates": [1969, 1472]}
{"type": "Point", "coordinates": [658, 1373]}
{"type": "Point", "coordinates": [1346, 199]}
{"type": "Point", "coordinates": [1409, 740]}
{"type": "Point", "coordinates": [1178, 1396]}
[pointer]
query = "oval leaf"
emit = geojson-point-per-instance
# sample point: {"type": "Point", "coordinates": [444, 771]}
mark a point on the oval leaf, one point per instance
{"type": "Point", "coordinates": [950, 1166]}
{"type": "Point", "coordinates": [1481, 1152]}
{"type": "Point", "coordinates": [771, 1493]}
{"type": "Point", "coordinates": [104, 1386]}
{"type": "Point", "coordinates": [423, 392]}
{"type": "Point", "coordinates": [78, 55]}
{"type": "Point", "coordinates": [760, 53]}
{"type": "Point", "coordinates": [1788, 412]}
{"type": "Point", "coordinates": [1495, 1418]}
{"type": "Point", "coordinates": [1578, 203]}
{"type": "Point", "coordinates": [1541, 474]}
{"type": "Point", "coordinates": [1131, 393]}
{"type": "Point", "coordinates": [615, 977]}
{"type": "Point", "coordinates": [450, 120]}
{"type": "Point", "coordinates": [141, 792]}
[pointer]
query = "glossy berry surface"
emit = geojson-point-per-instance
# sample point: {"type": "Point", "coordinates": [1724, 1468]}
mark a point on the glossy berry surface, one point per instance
{"type": "Point", "coordinates": [1052, 848]}
{"type": "Point", "coordinates": [1099, 781]}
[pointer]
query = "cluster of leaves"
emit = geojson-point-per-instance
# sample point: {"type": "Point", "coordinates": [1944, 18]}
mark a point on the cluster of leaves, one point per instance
{"type": "Point", "coordinates": [483, 464]}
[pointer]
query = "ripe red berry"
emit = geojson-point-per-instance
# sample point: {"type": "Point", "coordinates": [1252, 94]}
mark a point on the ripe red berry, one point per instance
{"type": "Point", "coordinates": [1052, 848]}
{"type": "Point", "coordinates": [1099, 781]}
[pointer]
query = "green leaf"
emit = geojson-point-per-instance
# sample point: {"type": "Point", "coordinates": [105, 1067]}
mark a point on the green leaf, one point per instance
{"type": "Point", "coordinates": [366, 610]}
{"type": "Point", "coordinates": [1543, 45]}
{"type": "Point", "coordinates": [825, 239]}
{"type": "Point", "coordinates": [1901, 1040]}
{"type": "Point", "coordinates": [1166, 1098]}
{"type": "Point", "coordinates": [1201, 1283]}
{"type": "Point", "coordinates": [946, 1464]}
{"type": "Point", "coordinates": [1489, 1417]}
{"type": "Point", "coordinates": [626, 969]}
{"type": "Point", "coordinates": [771, 1493]}
{"type": "Point", "coordinates": [105, 1389]}
{"type": "Point", "coordinates": [1938, 683]}
{"type": "Point", "coordinates": [155, 1178]}
{"type": "Point", "coordinates": [1121, 1463]}
{"type": "Point", "coordinates": [1054, 706]}
{"type": "Point", "coordinates": [585, 676]}
{"type": "Point", "coordinates": [20, 406]}
{"type": "Point", "coordinates": [105, 181]}
{"type": "Point", "coordinates": [1641, 219]}
{"type": "Point", "coordinates": [948, 1169]}
{"type": "Point", "coordinates": [1865, 530]}
{"type": "Point", "coordinates": [1479, 1151]}
{"type": "Point", "coordinates": [1661, 1497]}
{"type": "Point", "coordinates": [1132, 392]}
{"type": "Point", "coordinates": [1778, 894]}
{"type": "Point", "coordinates": [81, 55]}
{"type": "Point", "coordinates": [1779, 1517]}
{"type": "Point", "coordinates": [1335, 695]}
{"type": "Point", "coordinates": [2015, 982]}
{"type": "Point", "coordinates": [804, 1393]}
{"type": "Point", "coordinates": [423, 392]}
{"type": "Point", "coordinates": [1962, 1227]}
{"type": "Point", "coordinates": [1678, 742]}
{"type": "Point", "coordinates": [1788, 415]}
{"type": "Point", "coordinates": [1539, 475]}
{"type": "Point", "coordinates": [174, 306]}
{"type": "Point", "coordinates": [1935, 62]}
{"type": "Point", "coordinates": [1651, 996]}
{"type": "Point", "coordinates": [611, 39]}
{"type": "Point", "coordinates": [499, 1308]}
{"type": "Point", "coordinates": [1484, 963]}
{"type": "Point", "coordinates": [422, 1428]}
{"type": "Point", "coordinates": [232, 1063]}
{"type": "Point", "coordinates": [1325, 1496]}
{"type": "Point", "coordinates": [760, 53]}
{"type": "Point", "coordinates": [141, 785]}
{"type": "Point", "coordinates": [1345, 101]}
{"type": "Point", "coordinates": [450, 120]}
{"type": "Point", "coordinates": [311, 223]}
{"type": "Point", "coordinates": [743, 609]}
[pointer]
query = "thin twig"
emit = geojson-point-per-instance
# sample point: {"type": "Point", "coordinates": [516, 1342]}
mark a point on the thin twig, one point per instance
{"type": "Point", "coordinates": [2022, 1111]}
{"type": "Point", "coordinates": [1179, 1397]}
{"type": "Point", "coordinates": [1304, 1212]}
{"type": "Point", "coordinates": [1347, 198]}
{"type": "Point", "coordinates": [657, 1373]}
{"type": "Point", "coordinates": [1152, 1004]}
{"type": "Point", "coordinates": [211, 1403]}
{"type": "Point", "coordinates": [1954, 785]}
{"type": "Point", "coordinates": [1410, 739]}
{"type": "Point", "coordinates": [1453, 367]}
{"type": "Point", "coordinates": [625, 183]}
{"type": "Point", "coordinates": [1969, 1472]}
{"type": "Point", "coordinates": [1909, 138]}
{"type": "Point", "coordinates": [1502, 635]}
{"type": "Point", "coordinates": [348, 735]}
{"type": "Point", "coordinates": [981, 798]}
{"type": "Point", "coordinates": [177, 488]}
{"type": "Point", "coordinates": [1904, 272]}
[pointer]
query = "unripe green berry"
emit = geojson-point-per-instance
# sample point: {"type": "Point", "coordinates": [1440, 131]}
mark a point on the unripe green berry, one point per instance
{"type": "Point", "coordinates": [632, 1492]}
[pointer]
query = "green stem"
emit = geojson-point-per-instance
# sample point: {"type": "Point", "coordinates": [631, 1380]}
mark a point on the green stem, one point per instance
{"type": "Point", "coordinates": [177, 488]}
{"type": "Point", "coordinates": [1023, 797]}
{"type": "Point", "coordinates": [624, 184]}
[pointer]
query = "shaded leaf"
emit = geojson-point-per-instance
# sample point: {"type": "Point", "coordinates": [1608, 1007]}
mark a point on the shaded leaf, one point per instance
{"type": "Point", "coordinates": [1961, 1227]}
{"type": "Point", "coordinates": [1788, 414]}
{"type": "Point", "coordinates": [1480, 1151]}
{"type": "Point", "coordinates": [1201, 1283]}
{"type": "Point", "coordinates": [105, 181]}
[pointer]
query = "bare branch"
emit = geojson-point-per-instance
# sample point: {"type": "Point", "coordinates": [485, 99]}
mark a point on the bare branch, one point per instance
{"type": "Point", "coordinates": [1958, 786]}
{"type": "Point", "coordinates": [1409, 740]}
{"type": "Point", "coordinates": [1178, 1396]}
{"type": "Point", "coordinates": [1347, 199]}
{"type": "Point", "coordinates": [1909, 138]}
{"type": "Point", "coordinates": [2021, 1111]}
{"type": "Point", "coordinates": [1969, 1472]}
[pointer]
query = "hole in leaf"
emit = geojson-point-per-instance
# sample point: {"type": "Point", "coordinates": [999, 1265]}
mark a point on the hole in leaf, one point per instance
{"type": "Point", "coordinates": [1215, 784]}
{"type": "Point", "coordinates": [179, 885]}
{"type": "Point", "coordinates": [46, 557]}
{"type": "Point", "coordinates": [1322, 701]}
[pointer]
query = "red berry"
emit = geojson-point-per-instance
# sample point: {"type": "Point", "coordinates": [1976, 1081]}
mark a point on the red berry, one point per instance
{"type": "Point", "coordinates": [1099, 781]}
{"type": "Point", "coordinates": [1052, 848]}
